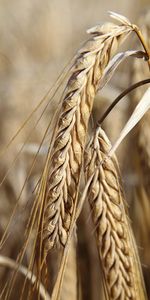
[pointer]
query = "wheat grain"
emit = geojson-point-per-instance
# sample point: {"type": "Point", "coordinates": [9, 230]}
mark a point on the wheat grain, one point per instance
{"type": "Point", "coordinates": [119, 261]}
{"type": "Point", "coordinates": [67, 152]}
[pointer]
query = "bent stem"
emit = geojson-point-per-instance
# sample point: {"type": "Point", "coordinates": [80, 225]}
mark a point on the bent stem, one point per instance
{"type": "Point", "coordinates": [141, 38]}
{"type": "Point", "coordinates": [121, 96]}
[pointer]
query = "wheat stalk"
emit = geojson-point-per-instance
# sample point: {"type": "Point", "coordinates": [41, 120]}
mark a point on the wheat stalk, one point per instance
{"type": "Point", "coordinates": [122, 275]}
{"type": "Point", "coordinates": [70, 134]}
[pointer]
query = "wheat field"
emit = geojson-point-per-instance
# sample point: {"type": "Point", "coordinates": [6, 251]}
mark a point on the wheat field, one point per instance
{"type": "Point", "coordinates": [74, 186]}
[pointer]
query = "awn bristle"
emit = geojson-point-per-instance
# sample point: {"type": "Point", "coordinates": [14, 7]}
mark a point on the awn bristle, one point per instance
{"type": "Point", "coordinates": [119, 114]}
{"type": "Point", "coordinates": [70, 134]}
{"type": "Point", "coordinates": [117, 252]}
{"type": "Point", "coordinates": [70, 284]}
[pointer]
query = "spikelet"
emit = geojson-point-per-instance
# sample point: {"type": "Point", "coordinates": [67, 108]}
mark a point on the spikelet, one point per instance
{"type": "Point", "coordinates": [117, 251]}
{"type": "Point", "coordinates": [70, 134]}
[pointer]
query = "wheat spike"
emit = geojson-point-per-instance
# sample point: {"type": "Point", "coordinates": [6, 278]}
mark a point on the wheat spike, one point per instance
{"type": "Point", "coordinates": [118, 256]}
{"type": "Point", "coordinates": [67, 152]}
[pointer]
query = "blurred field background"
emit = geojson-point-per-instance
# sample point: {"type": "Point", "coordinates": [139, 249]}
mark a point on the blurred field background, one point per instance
{"type": "Point", "coordinates": [37, 39]}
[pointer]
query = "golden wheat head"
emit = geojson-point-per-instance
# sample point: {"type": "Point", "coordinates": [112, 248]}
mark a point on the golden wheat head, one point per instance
{"type": "Point", "coordinates": [70, 134]}
{"type": "Point", "coordinates": [114, 237]}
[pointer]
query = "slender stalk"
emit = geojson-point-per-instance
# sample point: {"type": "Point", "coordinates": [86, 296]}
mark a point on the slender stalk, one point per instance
{"type": "Point", "coordinates": [122, 95]}
{"type": "Point", "coordinates": [140, 36]}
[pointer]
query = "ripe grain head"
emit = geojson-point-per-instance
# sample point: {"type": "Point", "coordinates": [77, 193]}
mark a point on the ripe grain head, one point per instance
{"type": "Point", "coordinates": [117, 251]}
{"type": "Point", "coordinates": [70, 134]}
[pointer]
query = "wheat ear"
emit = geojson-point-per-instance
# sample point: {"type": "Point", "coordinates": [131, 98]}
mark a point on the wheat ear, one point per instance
{"type": "Point", "coordinates": [67, 152]}
{"type": "Point", "coordinates": [117, 251]}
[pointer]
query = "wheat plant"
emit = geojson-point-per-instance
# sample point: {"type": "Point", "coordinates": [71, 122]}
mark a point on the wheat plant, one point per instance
{"type": "Point", "coordinates": [76, 171]}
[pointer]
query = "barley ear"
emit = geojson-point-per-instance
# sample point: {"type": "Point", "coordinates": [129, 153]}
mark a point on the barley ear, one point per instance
{"type": "Point", "coordinates": [115, 242]}
{"type": "Point", "coordinates": [69, 141]}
